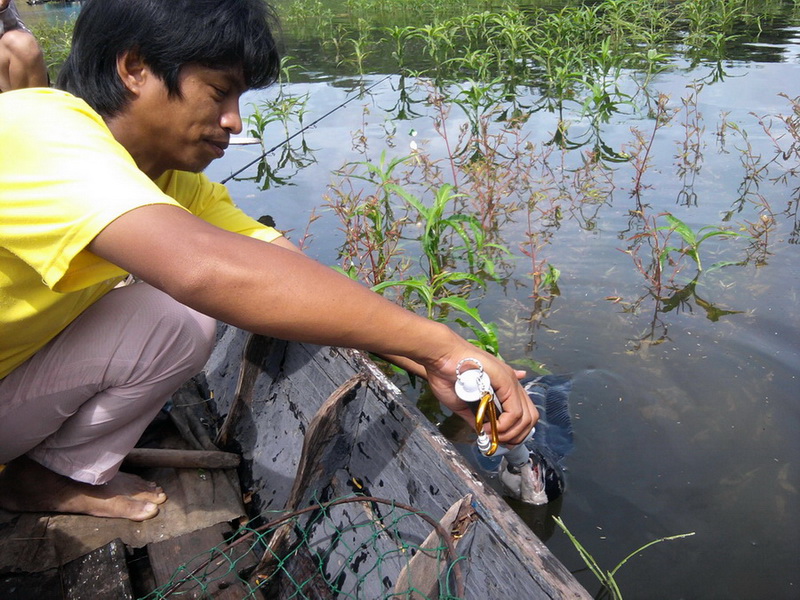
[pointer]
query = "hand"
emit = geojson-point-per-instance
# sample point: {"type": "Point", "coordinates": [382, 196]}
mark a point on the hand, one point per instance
{"type": "Point", "coordinates": [4, 4]}
{"type": "Point", "coordinates": [519, 413]}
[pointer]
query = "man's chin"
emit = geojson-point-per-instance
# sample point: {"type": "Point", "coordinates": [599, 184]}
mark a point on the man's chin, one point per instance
{"type": "Point", "coordinates": [196, 166]}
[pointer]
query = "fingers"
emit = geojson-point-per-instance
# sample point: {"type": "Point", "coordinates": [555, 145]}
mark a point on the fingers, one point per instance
{"type": "Point", "coordinates": [519, 414]}
{"type": "Point", "coordinates": [514, 428]}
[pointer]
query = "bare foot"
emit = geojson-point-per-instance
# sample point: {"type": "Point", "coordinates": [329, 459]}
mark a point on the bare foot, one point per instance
{"type": "Point", "coordinates": [27, 486]}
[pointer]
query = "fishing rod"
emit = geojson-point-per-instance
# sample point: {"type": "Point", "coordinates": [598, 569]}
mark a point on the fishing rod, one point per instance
{"type": "Point", "coordinates": [295, 134]}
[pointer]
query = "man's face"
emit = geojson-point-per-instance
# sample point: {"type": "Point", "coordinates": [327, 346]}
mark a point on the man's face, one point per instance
{"type": "Point", "coordinates": [190, 131]}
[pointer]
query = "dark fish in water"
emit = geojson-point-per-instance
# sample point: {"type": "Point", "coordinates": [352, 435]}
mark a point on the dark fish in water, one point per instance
{"type": "Point", "coordinates": [532, 472]}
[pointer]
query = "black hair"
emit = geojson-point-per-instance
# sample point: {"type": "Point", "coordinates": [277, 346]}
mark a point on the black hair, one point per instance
{"type": "Point", "coordinates": [167, 34]}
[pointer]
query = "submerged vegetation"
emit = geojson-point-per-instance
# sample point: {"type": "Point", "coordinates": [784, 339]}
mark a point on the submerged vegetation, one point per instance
{"type": "Point", "coordinates": [430, 228]}
{"type": "Point", "coordinates": [489, 67]}
{"type": "Point", "coordinates": [610, 588]}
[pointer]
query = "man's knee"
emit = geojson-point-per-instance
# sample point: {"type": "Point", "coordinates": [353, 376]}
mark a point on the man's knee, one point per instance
{"type": "Point", "coordinates": [183, 331]}
{"type": "Point", "coordinates": [204, 338]}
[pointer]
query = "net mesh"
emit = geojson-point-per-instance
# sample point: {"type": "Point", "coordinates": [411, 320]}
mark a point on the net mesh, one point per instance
{"type": "Point", "coordinates": [355, 547]}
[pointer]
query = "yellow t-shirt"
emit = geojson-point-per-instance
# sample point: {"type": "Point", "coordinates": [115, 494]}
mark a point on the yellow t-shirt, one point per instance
{"type": "Point", "coordinates": [63, 178]}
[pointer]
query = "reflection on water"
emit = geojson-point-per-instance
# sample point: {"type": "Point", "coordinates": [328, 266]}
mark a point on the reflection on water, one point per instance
{"type": "Point", "coordinates": [685, 401]}
{"type": "Point", "coordinates": [686, 378]}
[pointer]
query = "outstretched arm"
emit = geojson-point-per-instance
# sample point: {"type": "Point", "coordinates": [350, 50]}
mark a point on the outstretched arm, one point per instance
{"type": "Point", "coordinates": [401, 361]}
{"type": "Point", "coordinates": [273, 290]}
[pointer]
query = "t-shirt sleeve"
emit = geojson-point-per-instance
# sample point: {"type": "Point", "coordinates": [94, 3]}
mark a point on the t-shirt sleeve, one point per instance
{"type": "Point", "coordinates": [65, 178]}
{"type": "Point", "coordinates": [212, 202]}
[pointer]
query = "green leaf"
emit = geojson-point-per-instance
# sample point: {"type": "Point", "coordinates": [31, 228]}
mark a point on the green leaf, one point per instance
{"type": "Point", "coordinates": [681, 229]}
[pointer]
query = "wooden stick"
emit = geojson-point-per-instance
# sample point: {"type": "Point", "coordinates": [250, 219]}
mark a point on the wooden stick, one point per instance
{"type": "Point", "coordinates": [181, 459]}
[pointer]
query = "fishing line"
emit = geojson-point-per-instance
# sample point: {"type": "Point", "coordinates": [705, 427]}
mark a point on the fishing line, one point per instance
{"type": "Point", "coordinates": [295, 134]}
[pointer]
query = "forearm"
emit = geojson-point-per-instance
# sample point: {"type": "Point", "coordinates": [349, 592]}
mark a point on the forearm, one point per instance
{"type": "Point", "coordinates": [264, 288]}
{"type": "Point", "coordinates": [407, 364]}
{"type": "Point", "coordinates": [284, 294]}
{"type": "Point", "coordinates": [274, 290]}
{"type": "Point", "coordinates": [316, 304]}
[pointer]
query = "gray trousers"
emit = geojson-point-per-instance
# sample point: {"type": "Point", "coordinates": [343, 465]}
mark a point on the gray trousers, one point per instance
{"type": "Point", "coordinates": [81, 403]}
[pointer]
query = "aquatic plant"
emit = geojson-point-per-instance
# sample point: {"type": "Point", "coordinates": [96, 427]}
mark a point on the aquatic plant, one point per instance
{"type": "Point", "coordinates": [605, 577]}
{"type": "Point", "coordinates": [360, 44]}
{"type": "Point", "coordinates": [401, 37]}
{"type": "Point", "coordinates": [55, 39]}
{"type": "Point", "coordinates": [653, 249]}
{"type": "Point", "coordinates": [455, 256]}
{"type": "Point", "coordinates": [579, 55]}
{"type": "Point", "coordinates": [284, 109]}
{"type": "Point", "coordinates": [304, 12]}
{"type": "Point", "coordinates": [438, 247]}
{"type": "Point", "coordinates": [544, 275]}
{"type": "Point", "coordinates": [756, 171]}
{"type": "Point", "coordinates": [488, 166]}
{"type": "Point", "coordinates": [372, 223]}
{"type": "Point", "coordinates": [689, 159]}
{"type": "Point", "coordinates": [711, 22]}
{"type": "Point", "coordinates": [662, 264]}
{"type": "Point", "coordinates": [639, 152]}
{"type": "Point", "coordinates": [786, 143]}
{"type": "Point", "coordinates": [692, 240]}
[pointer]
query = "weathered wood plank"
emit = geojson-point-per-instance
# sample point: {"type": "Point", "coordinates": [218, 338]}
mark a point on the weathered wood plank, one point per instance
{"type": "Point", "coordinates": [173, 562]}
{"type": "Point", "coordinates": [421, 577]}
{"type": "Point", "coordinates": [269, 434]}
{"type": "Point", "coordinates": [323, 430]}
{"type": "Point", "coordinates": [25, 586]}
{"type": "Point", "coordinates": [24, 543]}
{"type": "Point", "coordinates": [102, 574]}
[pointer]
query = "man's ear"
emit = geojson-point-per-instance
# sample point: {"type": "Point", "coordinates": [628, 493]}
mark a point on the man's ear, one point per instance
{"type": "Point", "coordinates": [132, 70]}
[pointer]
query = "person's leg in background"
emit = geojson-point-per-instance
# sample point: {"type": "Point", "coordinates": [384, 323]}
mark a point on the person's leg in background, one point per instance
{"type": "Point", "coordinates": [21, 60]}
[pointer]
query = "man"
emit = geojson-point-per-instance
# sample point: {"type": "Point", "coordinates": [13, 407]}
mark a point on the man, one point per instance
{"type": "Point", "coordinates": [102, 181]}
{"type": "Point", "coordinates": [21, 60]}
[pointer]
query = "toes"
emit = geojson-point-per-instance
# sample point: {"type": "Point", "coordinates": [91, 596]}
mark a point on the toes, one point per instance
{"type": "Point", "coordinates": [155, 495]}
{"type": "Point", "coordinates": [148, 511]}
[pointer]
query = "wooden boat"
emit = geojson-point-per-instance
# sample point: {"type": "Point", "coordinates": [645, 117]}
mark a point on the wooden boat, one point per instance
{"type": "Point", "coordinates": [379, 504]}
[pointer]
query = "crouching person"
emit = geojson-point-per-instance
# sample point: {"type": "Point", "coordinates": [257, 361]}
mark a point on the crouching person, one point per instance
{"type": "Point", "coordinates": [102, 178]}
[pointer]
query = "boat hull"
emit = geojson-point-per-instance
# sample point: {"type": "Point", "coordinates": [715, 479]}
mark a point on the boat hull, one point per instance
{"type": "Point", "coordinates": [371, 441]}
